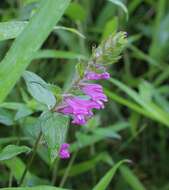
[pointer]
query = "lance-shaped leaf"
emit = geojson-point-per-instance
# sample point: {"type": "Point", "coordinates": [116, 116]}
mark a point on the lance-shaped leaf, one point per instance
{"type": "Point", "coordinates": [11, 151]}
{"type": "Point", "coordinates": [37, 87]}
{"type": "Point", "coordinates": [10, 30]}
{"type": "Point", "coordinates": [104, 182]}
{"type": "Point", "coordinates": [6, 117]}
{"type": "Point", "coordinates": [54, 128]}
{"type": "Point", "coordinates": [121, 5]}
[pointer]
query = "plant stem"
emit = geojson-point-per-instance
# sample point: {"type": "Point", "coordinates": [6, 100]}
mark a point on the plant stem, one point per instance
{"type": "Point", "coordinates": [10, 179]}
{"type": "Point", "coordinates": [67, 170]}
{"type": "Point", "coordinates": [31, 159]}
{"type": "Point", "coordinates": [93, 171]}
{"type": "Point", "coordinates": [55, 169]}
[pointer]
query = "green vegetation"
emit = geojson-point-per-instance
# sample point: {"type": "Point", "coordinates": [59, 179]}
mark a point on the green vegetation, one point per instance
{"type": "Point", "coordinates": [43, 45]}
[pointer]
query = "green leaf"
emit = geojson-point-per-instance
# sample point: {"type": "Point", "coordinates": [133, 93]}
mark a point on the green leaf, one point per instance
{"type": "Point", "coordinates": [22, 112]}
{"type": "Point", "coordinates": [11, 151]}
{"type": "Point", "coordinates": [87, 165]}
{"type": "Point", "coordinates": [26, 2]}
{"type": "Point", "coordinates": [107, 133]}
{"type": "Point", "coordinates": [37, 87]}
{"type": "Point", "coordinates": [28, 42]}
{"type": "Point", "coordinates": [146, 91]}
{"type": "Point", "coordinates": [42, 54]}
{"type": "Point", "coordinates": [143, 56]}
{"type": "Point", "coordinates": [31, 127]}
{"type": "Point", "coordinates": [131, 178]}
{"type": "Point", "coordinates": [125, 102]}
{"type": "Point", "coordinates": [45, 187]}
{"type": "Point", "coordinates": [12, 105]}
{"type": "Point", "coordinates": [17, 167]}
{"type": "Point", "coordinates": [54, 128]}
{"type": "Point", "coordinates": [56, 90]}
{"type": "Point", "coordinates": [76, 12]}
{"type": "Point", "coordinates": [6, 117]}
{"type": "Point", "coordinates": [104, 182]}
{"type": "Point", "coordinates": [110, 27]}
{"type": "Point", "coordinates": [84, 140]}
{"type": "Point", "coordinates": [7, 140]}
{"type": "Point", "coordinates": [153, 110]}
{"type": "Point", "coordinates": [121, 5]}
{"type": "Point", "coordinates": [10, 30]}
{"type": "Point", "coordinates": [160, 39]}
{"type": "Point", "coordinates": [80, 68]}
{"type": "Point", "coordinates": [69, 29]}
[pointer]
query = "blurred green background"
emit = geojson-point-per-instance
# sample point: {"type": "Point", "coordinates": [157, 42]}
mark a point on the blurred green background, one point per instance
{"type": "Point", "coordinates": [134, 124]}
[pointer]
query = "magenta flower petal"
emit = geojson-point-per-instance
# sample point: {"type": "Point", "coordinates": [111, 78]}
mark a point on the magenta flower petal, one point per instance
{"type": "Point", "coordinates": [96, 76]}
{"type": "Point", "coordinates": [78, 105]}
{"type": "Point", "coordinates": [95, 91]}
{"type": "Point", "coordinates": [79, 109]}
{"type": "Point", "coordinates": [66, 110]}
{"type": "Point", "coordinates": [105, 75]}
{"type": "Point", "coordinates": [64, 152]}
{"type": "Point", "coordinates": [79, 120]}
{"type": "Point", "coordinates": [92, 76]}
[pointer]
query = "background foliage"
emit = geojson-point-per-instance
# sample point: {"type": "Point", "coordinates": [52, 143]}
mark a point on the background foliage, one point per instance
{"type": "Point", "coordinates": [135, 123]}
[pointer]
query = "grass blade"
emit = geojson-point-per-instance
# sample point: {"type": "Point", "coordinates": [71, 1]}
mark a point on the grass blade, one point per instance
{"type": "Point", "coordinates": [131, 179]}
{"type": "Point", "coordinates": [21, 53]}
{"type": "Point", "coordinates": [154, 110]}
{"type": "Point", "coordinates": [56, 54]}
{"type": "Point", "coordinates": [11, 29]}
{"type": "Point", "coordinates": [104, 182]}
{"type": "Point", "coordinates": [121, 5]}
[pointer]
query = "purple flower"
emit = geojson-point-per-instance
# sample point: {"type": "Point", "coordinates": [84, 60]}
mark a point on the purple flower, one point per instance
{"type": "Point", "coordinates": [64, 152]}
{"type": "Point", "coordinates": [95, 91]}
{"type": "Point", "coordinates": [96, 76]}
{"type": "Point", "coordinates": [79, 119]}
{"type": "Point", "coordinates": [105, 75]}
{"type": "Point", "coordinates": [79, 109]}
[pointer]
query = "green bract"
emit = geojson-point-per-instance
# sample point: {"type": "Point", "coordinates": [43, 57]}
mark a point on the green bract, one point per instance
{"type": "Point", "coordinates": [108, 52]}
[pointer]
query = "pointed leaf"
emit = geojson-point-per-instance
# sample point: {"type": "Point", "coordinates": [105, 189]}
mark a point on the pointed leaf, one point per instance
{"type": "Point", "coordinates": [54, 128]}
{"type": "Point", "coordinates": [121, 5]}
{"type": "Point", "coordinates": [104, 182]}
{"type": "Point", "coordinates": [11, 151]}
{"type": "Point", "coordinates": [37, 87]}
{"type": "Point", "coordinates": [6, 117]}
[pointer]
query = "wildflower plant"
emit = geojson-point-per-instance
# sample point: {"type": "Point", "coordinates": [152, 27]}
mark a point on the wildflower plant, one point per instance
{"type": "Point", "coordinates": [79, 100]}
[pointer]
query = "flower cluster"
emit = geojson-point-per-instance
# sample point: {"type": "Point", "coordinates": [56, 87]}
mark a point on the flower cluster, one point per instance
{"type": "Point", "coordinates": [81, 109]}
